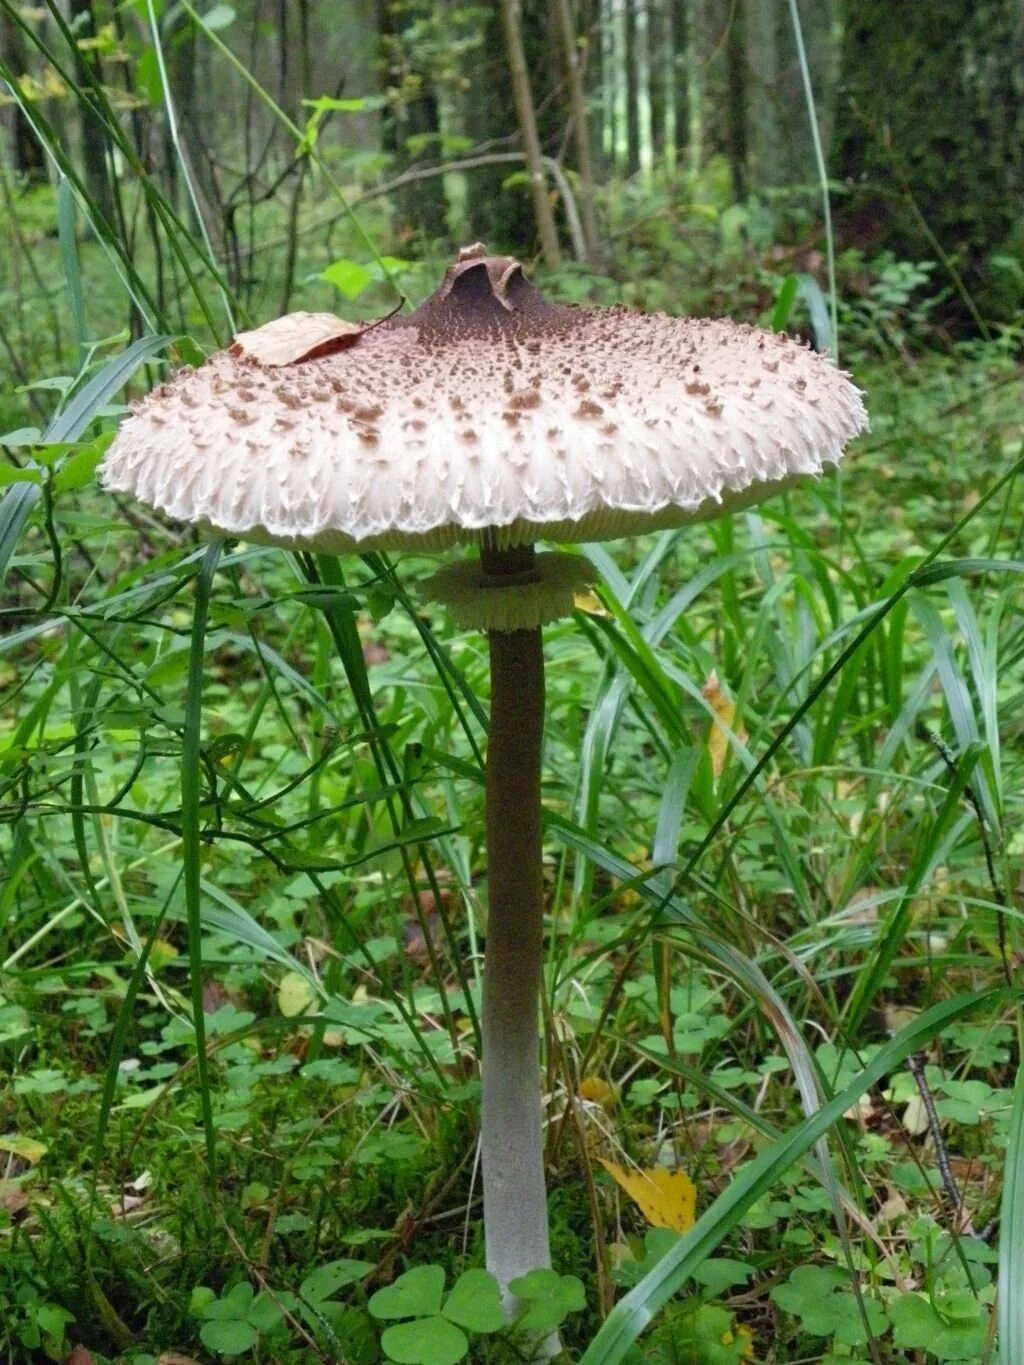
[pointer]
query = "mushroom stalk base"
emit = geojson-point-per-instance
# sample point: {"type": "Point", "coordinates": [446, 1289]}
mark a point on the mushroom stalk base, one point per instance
{"type": "Point", "coordinates": [515, 1200]}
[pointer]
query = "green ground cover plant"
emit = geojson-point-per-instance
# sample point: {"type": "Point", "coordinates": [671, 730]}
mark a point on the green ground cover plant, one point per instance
{"type": "Point", "coordinates": [241, 905]}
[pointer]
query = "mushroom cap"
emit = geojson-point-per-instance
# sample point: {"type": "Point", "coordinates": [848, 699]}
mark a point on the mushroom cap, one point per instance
{"type": "Point", "coordinates": [487, 415]}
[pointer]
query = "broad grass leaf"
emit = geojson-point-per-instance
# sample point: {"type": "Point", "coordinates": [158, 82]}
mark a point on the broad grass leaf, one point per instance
{"type": "Point", "coordinates": [667, 1199]}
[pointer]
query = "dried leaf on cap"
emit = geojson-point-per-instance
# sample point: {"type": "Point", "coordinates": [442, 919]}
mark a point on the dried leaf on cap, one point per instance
{"type": "Point", "coordinates": [295, 337]}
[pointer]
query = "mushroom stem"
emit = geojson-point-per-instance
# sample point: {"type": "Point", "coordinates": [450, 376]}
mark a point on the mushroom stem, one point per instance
{"type": "Point", "coordinates": [515, 1201]}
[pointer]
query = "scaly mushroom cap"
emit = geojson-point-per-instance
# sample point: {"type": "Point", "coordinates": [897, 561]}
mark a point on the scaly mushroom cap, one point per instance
{"type": "Point", "coordinates": [489, 414]}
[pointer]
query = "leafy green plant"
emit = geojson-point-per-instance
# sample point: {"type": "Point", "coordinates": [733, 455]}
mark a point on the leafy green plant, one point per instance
{"type": "Point", "coordinates": [700, 1334]}
{"type": "Point", "coordinates": [822, 1300]}
{"type": "Point", "coordinates": [41, 1325]}
{"type": "Point", "coordinates": [233, 1321]}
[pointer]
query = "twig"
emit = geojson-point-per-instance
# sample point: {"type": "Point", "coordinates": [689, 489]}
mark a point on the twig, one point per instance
{"type": "Point", "coordinates": [915, 1065]}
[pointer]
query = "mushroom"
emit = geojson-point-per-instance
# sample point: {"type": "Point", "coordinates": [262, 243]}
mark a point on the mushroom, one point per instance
{"type": "Point", "coordinates": [494, 417]}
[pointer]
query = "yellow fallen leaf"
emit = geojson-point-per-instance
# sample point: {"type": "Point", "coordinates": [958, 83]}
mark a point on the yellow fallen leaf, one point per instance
{"type": "Point", "coordinates": [667, 1199]}
{"type": "Point", "coordinates": [724, 715]}
{"type": "Point", "coordinates": [294, 995]}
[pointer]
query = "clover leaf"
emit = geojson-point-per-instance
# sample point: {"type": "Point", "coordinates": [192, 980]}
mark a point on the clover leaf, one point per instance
{"type": "Point", "coordinates": [435, 1336]}
{"type": "Point", "coordinates": [233, 1321]}
{"type": "Point", "coordinates": [549, 1298]}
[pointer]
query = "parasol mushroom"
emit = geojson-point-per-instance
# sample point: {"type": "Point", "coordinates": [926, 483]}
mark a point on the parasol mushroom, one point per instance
{"type": "Point", "coordinates": [494, 417]}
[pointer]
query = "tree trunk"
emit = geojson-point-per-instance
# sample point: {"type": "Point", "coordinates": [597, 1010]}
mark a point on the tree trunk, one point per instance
{"type": "Point", "coordinates": [580, 125]}
{"type": "Point", "coordinates": [642, 66]}
{"type": "Point", "coordinates": [511, 16]}
{"type": "Point", "coordinates": [93, 137]}
{"type": "Point", "coordinates": [663, 84]}
{"type": "Point", "coordinates": [693, 11]}
{"type": "Point", "coordinates": [26, 153]}
{"type": "Point", "coordinates": [420, 208]}
{"type": "Point", "coordinates": [736, 113]}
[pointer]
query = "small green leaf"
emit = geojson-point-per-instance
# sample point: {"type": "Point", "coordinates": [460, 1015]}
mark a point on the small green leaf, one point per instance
{"type": "Point", "coordinates": [10, 473]}
{"type": "Point", "coordinates": [327, 104]}
{"type": "Point", "coordinates": [961, 1343]}
{"type": "Point", "coordinates": [235, 1304]}
{"type": "Point", "coordinates": [707, 1334]}
{"type": "Point", "coordinates": [53, 1319]}
{"type": "Point", "coordinates": [549, 1297]}
{"type": "Point", "coordinates": [848, 1322]}
{"type": "Point", "coordinates": [29, 1149]}
{"type": "Point", "coordinates": [326, 1280]}
{"type": "Point", "coordinates": [379, 603]}
{"type": "Point", "coordinates": [416, 1294]}
{"type": "Point", "coordinates": [265, 1313]}
{"type": "Point", "coordinates": [201, 1296]}
{"type": "Point", "coordinates": [431, 1341]}
{"type": "Point", "coordinates": [77, 471]}
{"type": "Point", "coordinates": [915, 1322]}
{"type": "Point", "coordinates": [348, 277]}
{"type": "Point", "coordinates": [230, 1338]}
{"type": "Point", "coordinates": [475, 1302]}
{"type": "Point", "coordinates": [806, 1287]}
{"type": "Point", "coordinates": [719, 1274]}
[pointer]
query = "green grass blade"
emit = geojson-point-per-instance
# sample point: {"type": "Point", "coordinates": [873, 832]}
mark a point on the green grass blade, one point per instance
{"type": "Point", "coordinates": [15, 510]}
{"type": "Point", "coordinates": [69, 257]}
{"type": "Point", "coordinates": [71, 422]}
